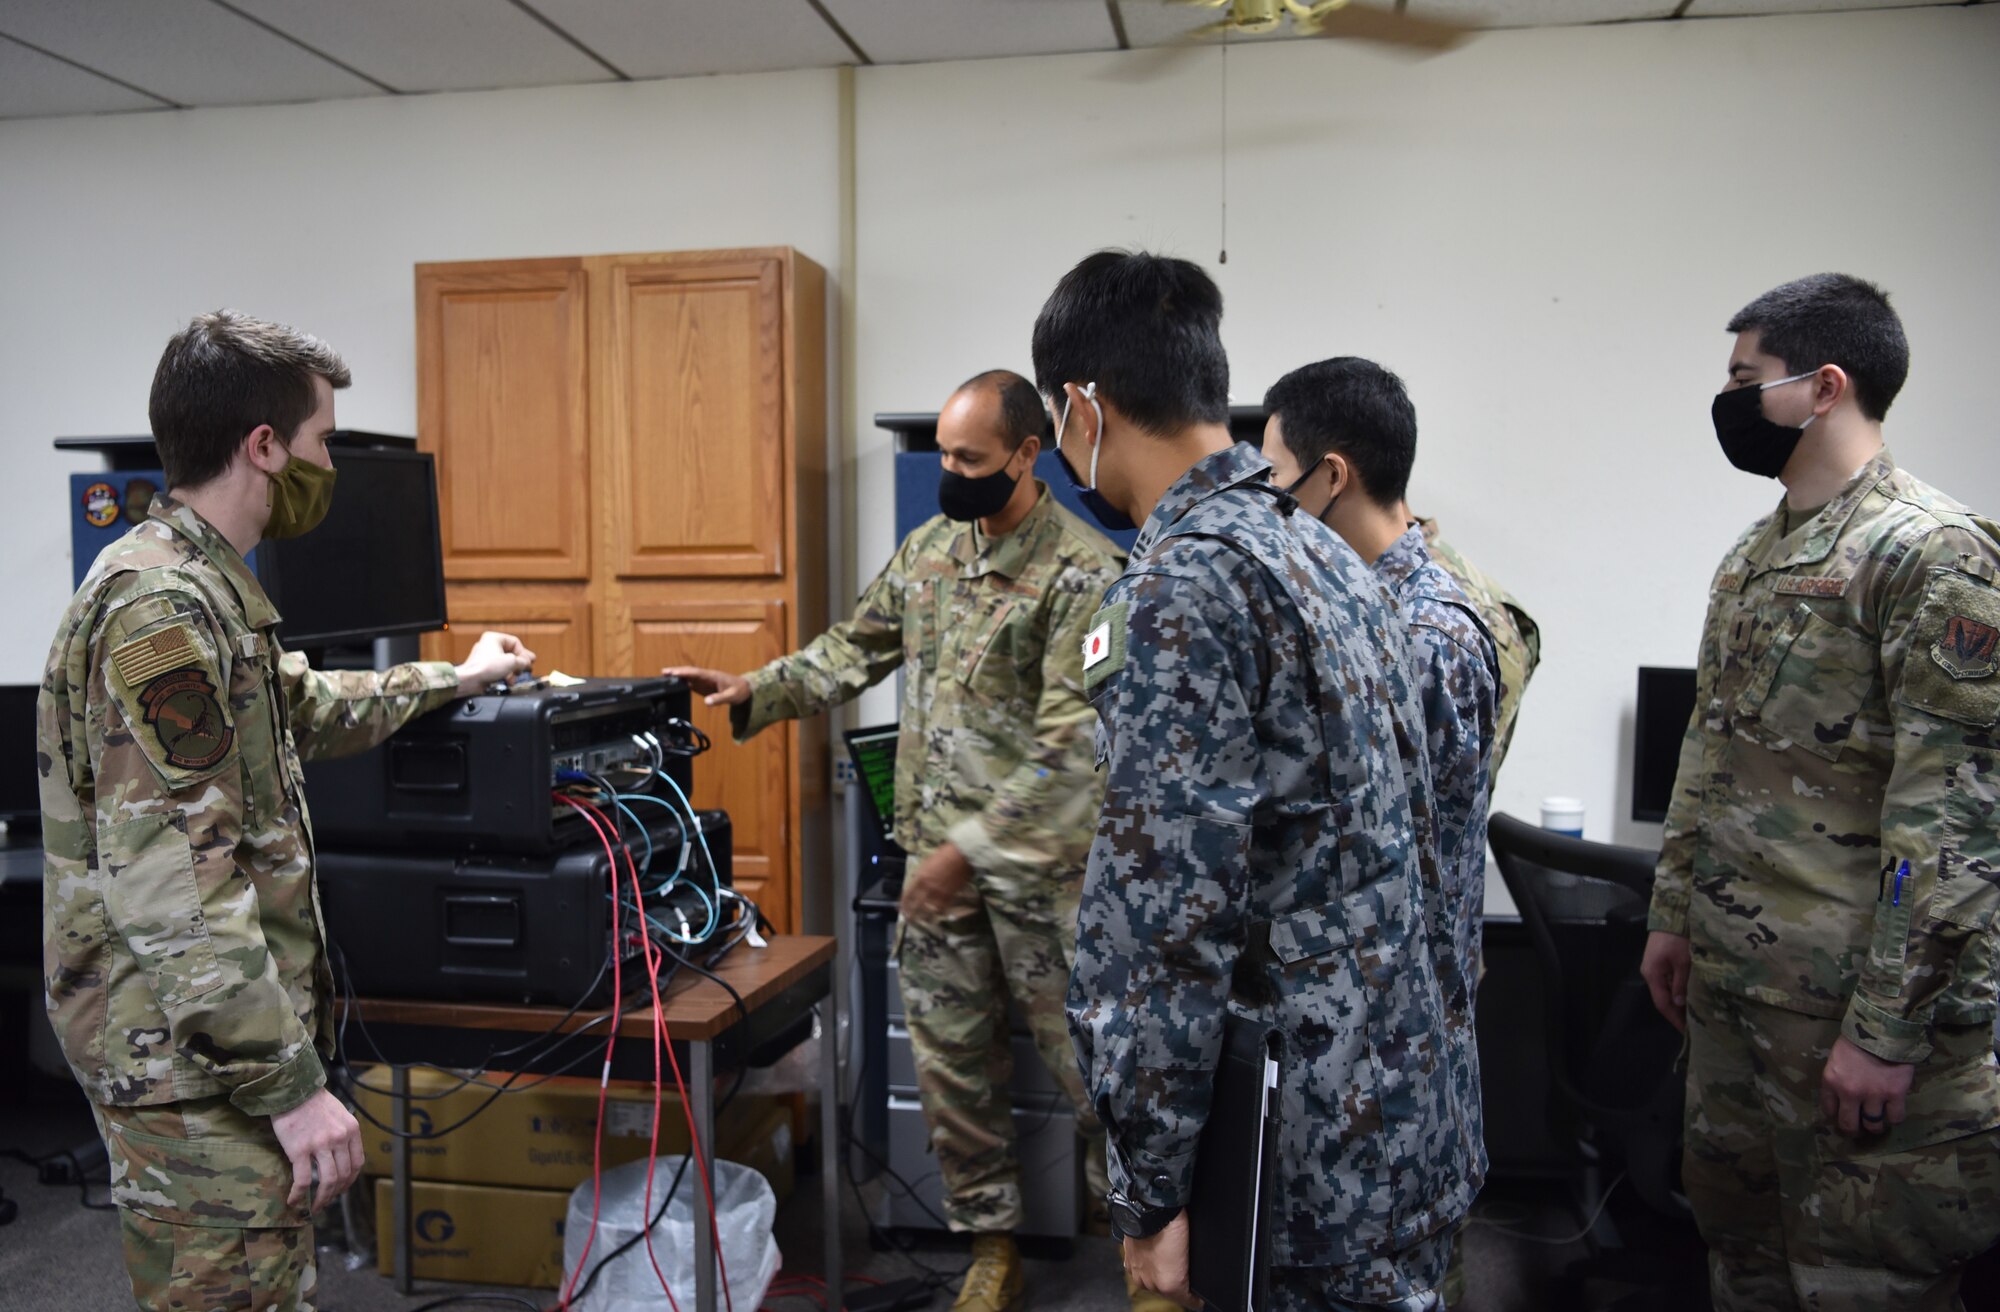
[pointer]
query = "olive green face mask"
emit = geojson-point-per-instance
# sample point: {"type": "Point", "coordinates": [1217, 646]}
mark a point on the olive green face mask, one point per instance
{"type": "Point", "coordinates": [301, 492]}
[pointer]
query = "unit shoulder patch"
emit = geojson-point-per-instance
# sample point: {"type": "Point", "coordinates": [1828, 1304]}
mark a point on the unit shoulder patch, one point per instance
{"type": "Point", "coordinates": [1968, 648]}
{"type": "Point", "coordinates": [1104, 645]}
{"type": "Point", "coordinates": [182, 710]}
{"type": "Point", "coordinates": [1955, 651]}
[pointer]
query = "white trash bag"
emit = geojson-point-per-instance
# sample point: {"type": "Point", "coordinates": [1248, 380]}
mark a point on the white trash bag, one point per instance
{"type": "Point", "coordinates": [744, 1210]}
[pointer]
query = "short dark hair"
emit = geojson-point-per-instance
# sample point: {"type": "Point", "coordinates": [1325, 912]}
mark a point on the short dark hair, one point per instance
{"type": "Point", "coordinates": [221, 377]}
{"type": "Point", "coordinates": [1354, 407]}
{"type": "Point", "coordinates": [1147, 330]}
{"type": "Point", "coordinates": [1022, 413]}
{"type": "Point", "coordinates": [1834, 318]}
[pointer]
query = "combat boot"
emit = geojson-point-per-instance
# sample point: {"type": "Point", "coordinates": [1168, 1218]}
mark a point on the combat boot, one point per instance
{"type": "Point", "coordinates": [993, 1281]}
{"type": "Point", "coordinates": [1145, 1300]}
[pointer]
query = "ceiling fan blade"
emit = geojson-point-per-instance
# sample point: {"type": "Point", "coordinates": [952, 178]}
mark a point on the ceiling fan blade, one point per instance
{"type": "Point", "coordinates": [1364, 22]}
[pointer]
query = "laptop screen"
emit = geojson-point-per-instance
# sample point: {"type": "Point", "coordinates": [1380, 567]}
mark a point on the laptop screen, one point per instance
{"type": "Point", "coordinates": [873, 751]}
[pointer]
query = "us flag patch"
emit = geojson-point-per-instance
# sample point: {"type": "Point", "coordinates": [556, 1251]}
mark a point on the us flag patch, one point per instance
{"type": "Point", "coordinates": [143, 659]}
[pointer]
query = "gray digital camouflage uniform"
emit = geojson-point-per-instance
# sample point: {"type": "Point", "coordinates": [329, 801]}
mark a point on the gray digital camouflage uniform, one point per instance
{"type": "Point", "coordinates": [1265, 846]}
{"type": "Point", "coordinates": [184, 955]}
{"type": "Point", "coordinates": [1847, 725]}
{"type": "Point", "coordinates": [1458, 676]}
{"type": "Point", "coordinates": [993, 756]}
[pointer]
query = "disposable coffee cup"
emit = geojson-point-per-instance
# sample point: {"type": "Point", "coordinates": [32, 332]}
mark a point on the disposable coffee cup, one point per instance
{"type": "Point", "coordinates": [1563, 815]}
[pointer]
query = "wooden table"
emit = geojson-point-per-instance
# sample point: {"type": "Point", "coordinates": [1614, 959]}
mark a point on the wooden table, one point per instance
{"type": "Point", "coordinates": [779, 984]}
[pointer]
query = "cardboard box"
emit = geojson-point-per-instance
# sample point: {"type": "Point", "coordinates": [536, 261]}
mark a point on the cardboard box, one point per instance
{"type": "Point", "coordinates": [482, 1233]}
{"type": "Point", "coordinates": [536, 1138]}
{"type": "Point", "coordinates": [501, 1235]}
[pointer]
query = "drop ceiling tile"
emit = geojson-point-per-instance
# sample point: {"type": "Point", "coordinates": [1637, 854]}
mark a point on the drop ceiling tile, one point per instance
{"type": "Point", "coordinates": [1541, 13]}
{"type": "Point", "coordinates": [1718, 8]}
{"type": "Point", "coordinates": [676, 38]}
{"type": "Point", "coordinates": [434, 45]}
{"type": "Point", "coordinates": [32, 85]}
{"type": "Point", "coordinates": [189, 51]}
{"type": "Point", "coordinates": [918, 31]}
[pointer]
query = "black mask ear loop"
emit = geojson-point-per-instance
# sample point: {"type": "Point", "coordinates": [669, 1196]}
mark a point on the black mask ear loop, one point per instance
{"type": "Point", "coordinates": [1288, 500]}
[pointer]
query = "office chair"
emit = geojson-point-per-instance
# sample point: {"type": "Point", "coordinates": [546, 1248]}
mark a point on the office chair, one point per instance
{"type": "Point", "coordinates": [1612, 1061]}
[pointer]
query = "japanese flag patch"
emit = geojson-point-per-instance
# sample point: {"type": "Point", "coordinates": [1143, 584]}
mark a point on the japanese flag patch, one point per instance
{"type": "Point", "coordinates": [1104, 645]}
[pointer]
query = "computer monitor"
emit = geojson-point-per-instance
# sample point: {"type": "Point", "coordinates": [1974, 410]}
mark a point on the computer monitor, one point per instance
{"type": "Point", "coordinates": [1666, 704]}
{"type": "Point", "coordinates": [20, 780]}
{"type": "Point", "coordinates": [873, 751]}
{"type": "Point", "coordinates": [375, 567]}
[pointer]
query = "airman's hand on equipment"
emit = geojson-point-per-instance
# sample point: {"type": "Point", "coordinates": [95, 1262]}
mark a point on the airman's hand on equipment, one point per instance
{"type": "Point", "coordinates": [1862, 1093]}
{"type": "Point", "coordinates": [319, 1132]}
{"type": "Point", "coordinates": [1665, 970]}
{"type": "Point", "coordinates": [930, 890]}
{"type": "Point", "coordinates": [716, 687]}
{"type": "Point", "coordinates": [495, 658]}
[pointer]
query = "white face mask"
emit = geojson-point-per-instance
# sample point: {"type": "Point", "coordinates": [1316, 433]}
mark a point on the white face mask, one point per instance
{"type": "Point", "coordinates": [1108, 516]}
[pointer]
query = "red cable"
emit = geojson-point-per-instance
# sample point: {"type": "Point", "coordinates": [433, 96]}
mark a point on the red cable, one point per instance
{"type": "Point", "coordinates": [610, 1043]}
{"type": "Point", "coordinates": [680, 1083]}
{"type": "Point", "coordinates": [660, 1038]}
{"type": "Point", "coordinates": [694, 1144]}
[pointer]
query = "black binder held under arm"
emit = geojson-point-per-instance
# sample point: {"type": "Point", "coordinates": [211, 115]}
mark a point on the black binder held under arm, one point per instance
{"type": "Point", "coordinates": [1232, 1217]}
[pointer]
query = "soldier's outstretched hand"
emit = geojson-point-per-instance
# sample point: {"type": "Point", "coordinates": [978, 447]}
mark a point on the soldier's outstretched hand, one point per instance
{"type": "Point", "coordinates": [1665, 970]}
{"type": "Point", "coordinates": [495, 658]}
{"type": "Point", "coordinates": [717, 688]}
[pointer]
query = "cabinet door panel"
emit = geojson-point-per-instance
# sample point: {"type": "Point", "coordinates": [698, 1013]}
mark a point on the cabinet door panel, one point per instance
{"type": "Point", "coordinates": [751, 781]}
{"type": "Point", "coordinates": [555, 623]}
{"type": "Point", "coordinates": [503, 402]}
{"type": "Point", "coordinates": [692, 405]}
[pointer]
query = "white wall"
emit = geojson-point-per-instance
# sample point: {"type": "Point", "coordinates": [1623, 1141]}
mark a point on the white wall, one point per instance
{"type": "Point", "coordinates": [1543, 232]}
{"type": "Point", "coordinates": [114, 230]}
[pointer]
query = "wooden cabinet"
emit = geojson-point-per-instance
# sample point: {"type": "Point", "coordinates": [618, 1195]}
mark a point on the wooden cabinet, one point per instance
{"type": "Point", "coordinates": [691, 377]}
{"type": "Point", "coordinates": [503, 403]}
{"type": "Point", "coordinates": [632, 474]}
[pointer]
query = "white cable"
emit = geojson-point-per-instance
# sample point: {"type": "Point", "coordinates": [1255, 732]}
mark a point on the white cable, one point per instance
{"type": "Point", "coordinates": [1578, 1237]}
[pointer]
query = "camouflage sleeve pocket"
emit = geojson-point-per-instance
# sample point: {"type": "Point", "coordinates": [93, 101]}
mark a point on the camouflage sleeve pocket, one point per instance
{"type": "Point", "coordinates": [1954, 658]}
{"type": "Point", "coordinates": [155, 905]}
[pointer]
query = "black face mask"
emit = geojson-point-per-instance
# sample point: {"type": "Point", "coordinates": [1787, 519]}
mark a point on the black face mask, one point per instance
{"type": "Point", "coordinates": [1753, 443]}
{"type": "Point", "coordinates": [1290, 499]}
{"type": "Point", "coordinates": [966, 499]}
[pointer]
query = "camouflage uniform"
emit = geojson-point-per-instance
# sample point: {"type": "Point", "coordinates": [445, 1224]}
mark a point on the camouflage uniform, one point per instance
{"type": "Point", "coordinates": [993, 756]}
{"type": "Point", "coordinates": [1457, 668]}
{"type": "Point", "coordinates": [1517, 645]}
{"type": "Point", "coordinates": [182, 936]}
{"type": "Point", "coordinates": [1847, 696]}
{"type": "Point", "coordinates": [1516, 636]}
{"type": "Point", "coordinates": [1264, 846]}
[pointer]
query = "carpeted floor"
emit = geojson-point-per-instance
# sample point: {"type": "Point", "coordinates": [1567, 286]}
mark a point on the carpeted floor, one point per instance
{"type": "Point", "coordinates": [60, 1257]}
